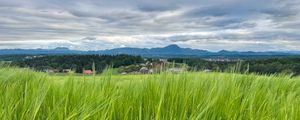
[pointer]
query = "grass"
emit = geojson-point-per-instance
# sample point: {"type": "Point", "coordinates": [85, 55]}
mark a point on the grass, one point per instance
{"type": "Point", "coordinates": [189, 95]}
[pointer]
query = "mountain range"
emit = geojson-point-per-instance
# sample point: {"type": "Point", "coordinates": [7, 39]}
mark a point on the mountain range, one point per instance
{"type": "Point", "coordinates": [168, 51]}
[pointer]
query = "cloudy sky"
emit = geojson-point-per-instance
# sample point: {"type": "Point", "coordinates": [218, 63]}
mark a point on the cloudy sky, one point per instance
{"type": "Point", "coordinates": [268, 25]}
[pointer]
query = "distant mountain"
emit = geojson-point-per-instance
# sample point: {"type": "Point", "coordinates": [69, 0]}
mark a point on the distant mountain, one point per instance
{"type": "Point", "coordinates": [61, 48]}
{"type": "Point", "coordinates": [171, 50]}
{"type": "Point", "coordinates": [168, 51]}
{"type": "Point", "coordinates": [293, 52]}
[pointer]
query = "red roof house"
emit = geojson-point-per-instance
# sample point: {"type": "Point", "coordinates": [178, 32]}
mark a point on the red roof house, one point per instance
{"type": "Point", "coordinates": [87, 72]}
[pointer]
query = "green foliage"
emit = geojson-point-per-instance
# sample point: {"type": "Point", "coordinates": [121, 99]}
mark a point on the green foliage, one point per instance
{"type": "Point", "coordinates": [29, 95]}
{"type": "Point", "coordinates": [129, 69]}
{"type": "Point", "coordinates": [79, 62]}
{"type": "Point", "coordinates": [288, 65]}
{"type": "Point", "coordinates": [12, 57]}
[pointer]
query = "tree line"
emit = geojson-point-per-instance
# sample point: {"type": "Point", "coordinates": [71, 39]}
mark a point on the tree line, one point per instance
{"type": "Point", "coordinates": [78, 62]}
{"type": "Point", "coordinates": [288, 65]}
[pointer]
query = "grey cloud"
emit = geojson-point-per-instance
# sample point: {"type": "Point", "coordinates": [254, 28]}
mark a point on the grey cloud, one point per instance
{"type": "Point", "coordinates": [183, 38]}
{"type": "Point", "coordinates": [89, 38]}
{"type": "Point", "coordinates": [202, 12]}
{"type": "Point", "coordinates": [279, 12]}
{"type": "Point", "coordinates": [156, 8]}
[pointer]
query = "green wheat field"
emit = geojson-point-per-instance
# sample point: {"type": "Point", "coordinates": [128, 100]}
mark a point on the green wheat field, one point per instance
{"type": "Point", "coordinates": [28, 95]}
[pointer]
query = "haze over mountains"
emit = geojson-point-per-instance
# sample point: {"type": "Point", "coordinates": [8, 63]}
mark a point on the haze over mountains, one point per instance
{"type": "Point", "coordinates": [168, 51]}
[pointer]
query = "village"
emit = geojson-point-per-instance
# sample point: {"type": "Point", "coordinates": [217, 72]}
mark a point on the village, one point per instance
{"type": "Point", "coordinates": [149, 67]}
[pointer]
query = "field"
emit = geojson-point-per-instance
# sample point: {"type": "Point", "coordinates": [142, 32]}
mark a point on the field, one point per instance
{"type": "Point", "coordinates": [189, 95]}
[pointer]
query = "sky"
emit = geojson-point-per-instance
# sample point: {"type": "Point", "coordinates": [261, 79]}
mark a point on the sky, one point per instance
{"type": "Point", "coordinates": [241, 25]}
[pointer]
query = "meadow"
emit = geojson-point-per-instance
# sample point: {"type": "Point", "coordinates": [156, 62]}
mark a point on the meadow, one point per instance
{"type": "Point", "coordinates": [166, 96]}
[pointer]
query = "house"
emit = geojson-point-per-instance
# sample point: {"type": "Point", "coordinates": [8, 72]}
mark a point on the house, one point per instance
{"type": "Point", "coordinates": [157, 65]}
{"type": "Point", "coordinates": [207, 70]}
{"type": "Point", "coordinates": [67, 71]}
{"type": "Point", "coordinates": [144, 70]}
{"type": "Point", "coordinates": [163, 60]}
{"type": "Point", "coordinates": [87, 72]}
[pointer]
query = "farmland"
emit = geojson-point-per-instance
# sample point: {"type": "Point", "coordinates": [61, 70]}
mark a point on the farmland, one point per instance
{"type": "Point", "coordinates": [188, 95]}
